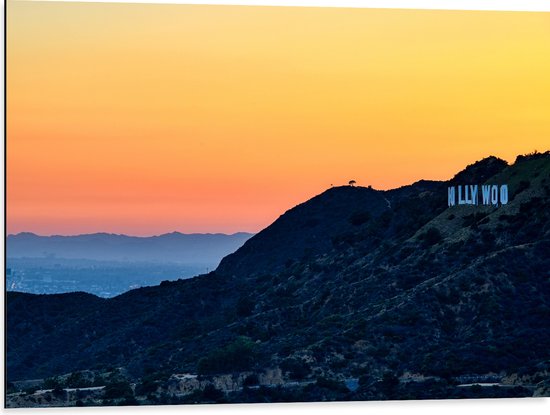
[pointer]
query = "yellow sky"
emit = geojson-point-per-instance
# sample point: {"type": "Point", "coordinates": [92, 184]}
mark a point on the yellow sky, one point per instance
{"type": "Point", "coordinates": [145, 119]}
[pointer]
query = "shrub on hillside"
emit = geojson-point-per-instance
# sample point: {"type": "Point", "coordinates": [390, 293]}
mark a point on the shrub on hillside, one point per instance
{"type": "Point", "coordinates": [238, 355]}
{"type": "Point", "coordinates": [296, 368]}
{"type": "Point", "coordinates": [431, 237]}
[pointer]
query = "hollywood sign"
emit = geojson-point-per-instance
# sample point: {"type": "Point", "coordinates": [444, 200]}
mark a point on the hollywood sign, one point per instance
{"type": "Point", "coordinates": [469, 194]}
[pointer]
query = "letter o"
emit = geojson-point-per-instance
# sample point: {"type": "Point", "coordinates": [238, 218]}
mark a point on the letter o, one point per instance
{"type": "Point", "coordinates": [494, 194]}
{"type": "Point", "coordinates": [504, 194]}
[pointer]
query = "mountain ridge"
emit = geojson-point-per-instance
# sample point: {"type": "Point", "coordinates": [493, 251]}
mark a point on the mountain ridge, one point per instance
{"type": "Point", "coordinates": [27, 233]}
{"type": "Point", "coordinates": [169, 247]}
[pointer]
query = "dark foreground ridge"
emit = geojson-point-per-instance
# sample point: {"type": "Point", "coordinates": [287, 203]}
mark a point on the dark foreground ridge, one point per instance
{"type": "Point", "coordinates": [354, 294]}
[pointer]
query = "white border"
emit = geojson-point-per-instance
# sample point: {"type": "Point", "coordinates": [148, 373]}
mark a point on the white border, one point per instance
{"type": "Point", "coordinates": [511, 5]}
{"type": "Point", "coordinates": [447, 407]}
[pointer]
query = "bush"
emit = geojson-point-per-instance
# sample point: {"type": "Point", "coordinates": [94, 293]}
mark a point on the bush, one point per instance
{"type": "Point", "coordinates": [523, 185]}
{"type": "Point", "coordinates": [58, 391]}
{"type": "Point", "coordinates": [431, 237]}
{"type": "Point", "coordinates": [31, 390]}
{"type": "Point", "coordinates": [331, 384]}
{"type": "Point", "coordinates": [359, 218]}
{"type": "Point", "coordinates": [239, 355]}
{"type": "Point", "coordinates": [245, 306]}
{"type": "Point", "coordinates": [51, 383]}
{"type": "Point", "coordinates": [389, 384]}
{"type": "Point", "coordinates": [121, 389]}
{"type": "Point", "coordinates": [129, 401]}
{"type": "Point", "coordinates": [210, 393]}
{"type": "Point", "coordinates": [296, 368]}
{"type": "Point", "coordinates": [77, 380]}
{"type": "Point", "coordinates": [146, 387]}
{"type": "Point", "coordinates": [251, 380]}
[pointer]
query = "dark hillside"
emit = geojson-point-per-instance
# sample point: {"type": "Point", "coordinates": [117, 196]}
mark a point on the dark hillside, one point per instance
{"type": "Point", "coordinates": [306, 230]}
{"type": "Point", "coordinates": [353, 283]}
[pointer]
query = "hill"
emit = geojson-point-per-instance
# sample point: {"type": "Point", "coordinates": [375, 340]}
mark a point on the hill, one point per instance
{"type": "Point", "coordinates": [353, 284]}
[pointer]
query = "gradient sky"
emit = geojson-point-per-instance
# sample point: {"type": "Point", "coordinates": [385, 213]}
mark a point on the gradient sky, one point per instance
{"type": "Point", "coordinates": [145, 119]}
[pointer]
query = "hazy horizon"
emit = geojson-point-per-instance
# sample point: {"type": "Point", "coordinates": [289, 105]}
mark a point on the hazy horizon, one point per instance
{"type": "Point", "coordinates": [130, 235]}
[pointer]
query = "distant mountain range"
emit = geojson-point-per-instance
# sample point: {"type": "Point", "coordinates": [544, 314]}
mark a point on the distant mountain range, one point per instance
{"type": "Point", "coordinates": [356, 283]}
{"type": "Point", "coordinates": [171, 247]}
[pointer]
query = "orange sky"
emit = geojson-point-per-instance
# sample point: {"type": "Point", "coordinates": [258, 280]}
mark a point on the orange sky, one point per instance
{"type": "Point", "coordinates": [144, 119]}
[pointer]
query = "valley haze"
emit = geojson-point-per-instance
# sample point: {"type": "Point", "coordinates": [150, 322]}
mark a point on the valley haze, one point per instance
{"type": "Point", "coordinates": [110, 264]}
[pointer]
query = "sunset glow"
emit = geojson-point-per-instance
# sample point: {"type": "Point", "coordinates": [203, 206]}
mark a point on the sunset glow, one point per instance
{"type": "Point", "coordinates": [144, 119]}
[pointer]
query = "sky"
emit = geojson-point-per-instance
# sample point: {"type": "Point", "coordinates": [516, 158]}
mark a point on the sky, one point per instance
{"type": "Point", "coordinates": [145, 119]}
